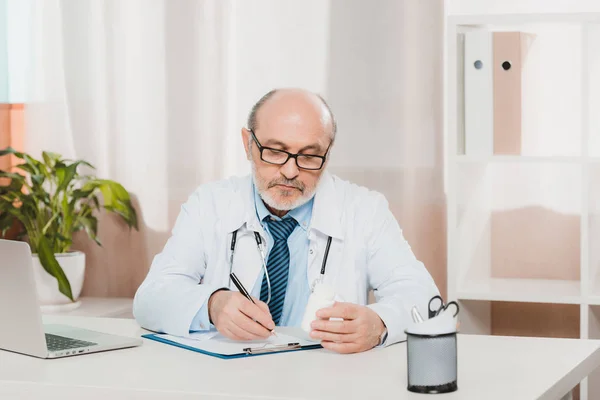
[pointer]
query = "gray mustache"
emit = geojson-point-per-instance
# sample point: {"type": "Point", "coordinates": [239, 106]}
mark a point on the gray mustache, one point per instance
{"type": "Point", "coordinates": [297, 184]}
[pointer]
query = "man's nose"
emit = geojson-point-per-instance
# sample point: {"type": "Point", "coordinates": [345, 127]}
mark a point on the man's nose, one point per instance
{"type": "Point", "coordinates": [290, 169]}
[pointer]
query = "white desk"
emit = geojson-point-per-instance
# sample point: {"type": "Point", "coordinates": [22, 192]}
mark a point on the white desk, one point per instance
{"type": "Point", "coordinates": [105, 307]}
{"type": "Point", "coordinates": [489, 368]}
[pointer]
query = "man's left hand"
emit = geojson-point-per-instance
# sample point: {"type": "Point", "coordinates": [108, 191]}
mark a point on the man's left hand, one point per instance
{"type": "Point", "coordinates": [359, 331]}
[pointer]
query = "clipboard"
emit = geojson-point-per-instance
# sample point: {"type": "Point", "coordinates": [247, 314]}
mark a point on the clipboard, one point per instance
{"type": "Point", "coordinates": [226, 349]}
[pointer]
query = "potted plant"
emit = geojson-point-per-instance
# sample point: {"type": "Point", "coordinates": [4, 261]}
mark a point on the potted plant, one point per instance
{"type": "Point", "coordinates": [51, 201]}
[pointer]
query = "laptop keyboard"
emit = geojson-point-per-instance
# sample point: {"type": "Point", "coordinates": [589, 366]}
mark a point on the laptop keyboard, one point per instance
{"type": "Point", "coordinates": [56, 343]}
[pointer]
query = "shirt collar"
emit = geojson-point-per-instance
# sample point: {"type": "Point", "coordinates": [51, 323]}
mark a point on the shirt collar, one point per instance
{"type": "Point", "coordinates": [301, 214]}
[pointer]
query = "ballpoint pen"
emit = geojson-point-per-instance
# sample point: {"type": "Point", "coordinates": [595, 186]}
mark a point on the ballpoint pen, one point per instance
{"type": "Point", "coordinates": [243, 291]}
{"type": "Point", "coordinates": [416, 316]}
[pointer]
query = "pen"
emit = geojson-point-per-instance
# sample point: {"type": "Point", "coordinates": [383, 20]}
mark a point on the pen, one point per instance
{"type": "Point", "coordinates": [416, 315]}
{"type": "Point", "coordinates": [243, 291]}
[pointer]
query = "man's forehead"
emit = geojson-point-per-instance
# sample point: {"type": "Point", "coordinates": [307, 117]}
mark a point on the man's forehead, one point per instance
{"type": "Point", "coordinates": [294, 140]}
{"type": "Point", "coordinates": [295, 109]}
{"type": "Point", "coordinates": [294, 132]}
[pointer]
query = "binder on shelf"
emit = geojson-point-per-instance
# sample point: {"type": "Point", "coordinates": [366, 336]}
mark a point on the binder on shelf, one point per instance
{"type": "Point", "coordinates": [478, 94]}
{"type": "Point", "coordinates": [507, 92]}
{"type": "Point", "coordinates": [460, 87]}
{"type": "Point", "coordinates": [491, 103]}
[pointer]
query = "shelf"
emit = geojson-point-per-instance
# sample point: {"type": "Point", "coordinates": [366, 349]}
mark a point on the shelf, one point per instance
{"type": "Point", "coordinates": [593, 300]}
{"type": "Point", "coordinates": [524, 18]}
{"type": "Point", "coordinates": [593, 92]}
{"type": "Point", "coordinates": [517, 221]}
{"type": "Point", "coordinates": [522, 290]}
{"type": "Point", "coordinates": [519, 159]}
{"type": "Point", "coordinates": [593, 230]}
{"type": "Point", "coordinates": [523, 156]}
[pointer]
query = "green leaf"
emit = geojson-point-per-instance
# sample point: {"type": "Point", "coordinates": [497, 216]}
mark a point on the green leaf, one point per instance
{"type": "Point", "coordinates": [36, 165]}
{"type": "Point", "coordinates": [96, 202]}
{"type": "Point", "coordinates": [48, 261]}
{"type": "Point", "coordinates": [50, 158]}
{"type": "Point", "coordinates": [10, 150]}
{"type": "Point", "coordinates": [48, 224]}
{"type": "Point", "coordinates": [90, 223]}
{"type": "Point", "coordinates": [9, 197]}
{"type": "Point", "coordinates": [66, 174]}
{"type": "Point", "coordinates": [91, 185]}
{"type": "Point", "coordinates": [62, 244]}
{"type": "Point", "coordinates": [78, 194]}
{"type": "Point", "coordinates": [12, 175]}
{"type": "Point", "coordinates": [16, 183]}
{"type": "Point", "coordinates": [6, 222]}
{"type": "Point", "coordinates": [38, 180]}
{"type": "Point", "coordinates": [31, 165]}
{"type": "Point", "coordinates": [117, 200]}
{"type": "Point", "coordinates": [27, 168]}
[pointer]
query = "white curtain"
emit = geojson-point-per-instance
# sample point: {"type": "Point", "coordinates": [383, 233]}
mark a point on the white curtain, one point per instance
{"type": "Point", "coordinates": [154, 93]}
{"type": "Point", "coordinates": [141, 90]}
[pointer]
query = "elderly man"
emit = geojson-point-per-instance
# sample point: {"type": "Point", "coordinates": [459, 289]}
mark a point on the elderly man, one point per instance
{"type": "Point", "coordinates": [300, 224]}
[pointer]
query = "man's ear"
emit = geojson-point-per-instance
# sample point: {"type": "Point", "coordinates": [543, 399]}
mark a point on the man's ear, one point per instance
{"type": "Point", "coordinates": [246, 142]}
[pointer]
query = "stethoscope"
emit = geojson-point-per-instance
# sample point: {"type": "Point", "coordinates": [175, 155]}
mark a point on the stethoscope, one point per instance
{"type": "Point", "coordinates": [259, 243]}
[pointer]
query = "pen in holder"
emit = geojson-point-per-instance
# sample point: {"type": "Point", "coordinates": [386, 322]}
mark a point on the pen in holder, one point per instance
{"type": "Point", "coordinates": [432, 364]}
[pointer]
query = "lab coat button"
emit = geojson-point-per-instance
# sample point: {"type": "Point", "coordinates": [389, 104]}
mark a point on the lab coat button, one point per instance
{"type": "Point", "coordinates": [311, 251]}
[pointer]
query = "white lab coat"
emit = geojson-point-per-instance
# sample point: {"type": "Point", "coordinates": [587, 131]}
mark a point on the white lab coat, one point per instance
{"type": "Point", "coordinates": [368, 251]}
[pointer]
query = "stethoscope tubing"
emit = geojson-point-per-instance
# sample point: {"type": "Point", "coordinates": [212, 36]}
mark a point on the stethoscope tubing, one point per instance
{"type": "Point", "coordinates": [259, 242]}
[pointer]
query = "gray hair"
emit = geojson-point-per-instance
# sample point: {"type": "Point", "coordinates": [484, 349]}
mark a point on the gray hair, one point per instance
{"type": "Point", "coordinates": [252, 117]}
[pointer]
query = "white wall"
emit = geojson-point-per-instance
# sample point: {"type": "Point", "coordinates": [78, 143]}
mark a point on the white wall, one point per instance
{"type": "Point", "coordinates": [365, 60]}
{"type": "Point", "coordinates": [454, 7]}
{"type": "Point", "coordinates": [275, 44]}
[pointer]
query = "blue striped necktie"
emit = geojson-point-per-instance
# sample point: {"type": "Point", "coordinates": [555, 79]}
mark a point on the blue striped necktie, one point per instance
{"type": "Point", "coordinates": [278, 266]}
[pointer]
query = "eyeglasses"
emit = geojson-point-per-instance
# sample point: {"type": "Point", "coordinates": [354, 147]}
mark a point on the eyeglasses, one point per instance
{"type": "Point", "coordinates": [280, 157]}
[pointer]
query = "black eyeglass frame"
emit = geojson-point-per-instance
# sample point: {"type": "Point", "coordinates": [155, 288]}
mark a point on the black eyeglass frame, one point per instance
{"type": "Point", "coordinates": [262, 148]}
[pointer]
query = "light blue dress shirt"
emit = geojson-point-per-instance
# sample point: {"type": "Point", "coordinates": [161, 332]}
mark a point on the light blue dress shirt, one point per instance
{"type": "Point", "coordinates": [298, 289]}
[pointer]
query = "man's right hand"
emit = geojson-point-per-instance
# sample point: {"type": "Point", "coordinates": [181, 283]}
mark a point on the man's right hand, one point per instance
{"type": "Point", "coordinates": [235, 316]}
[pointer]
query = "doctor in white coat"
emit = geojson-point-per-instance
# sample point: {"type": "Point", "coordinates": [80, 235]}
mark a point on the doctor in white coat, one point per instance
{"type": "Point", "coordinates": [295, 220]}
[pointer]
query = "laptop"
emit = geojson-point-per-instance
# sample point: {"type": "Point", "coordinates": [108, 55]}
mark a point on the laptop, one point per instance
{"type": "Point", "coordinates": [21, 327]}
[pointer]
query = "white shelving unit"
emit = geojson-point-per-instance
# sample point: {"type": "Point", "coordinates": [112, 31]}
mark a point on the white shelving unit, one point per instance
{"type": "Point", "coordinates": [525, 227]}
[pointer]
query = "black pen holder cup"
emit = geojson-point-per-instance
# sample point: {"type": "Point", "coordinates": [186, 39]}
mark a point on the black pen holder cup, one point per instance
{"type": "Point", "coordinates": [432, 364]}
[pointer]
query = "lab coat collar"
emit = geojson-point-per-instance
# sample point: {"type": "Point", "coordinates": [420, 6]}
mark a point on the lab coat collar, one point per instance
{"type": "Point", "coordinates": [242, 210]}
{"type": "Point", "coordinates": [326, 215]}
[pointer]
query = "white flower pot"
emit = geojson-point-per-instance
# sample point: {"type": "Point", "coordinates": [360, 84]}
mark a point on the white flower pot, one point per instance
{"type": "Point", "coordinates": [50, 298]}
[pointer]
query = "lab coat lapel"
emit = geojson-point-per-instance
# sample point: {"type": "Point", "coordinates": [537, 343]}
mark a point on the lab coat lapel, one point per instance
{"type": "Point", "coordinates": [240, 215]}
{"type": "Point", "coordinates": [240, 210]}
{"type": "Point", "coordinates": [327, 215]}
{"type": "Point", "coordinates": [326, 221]}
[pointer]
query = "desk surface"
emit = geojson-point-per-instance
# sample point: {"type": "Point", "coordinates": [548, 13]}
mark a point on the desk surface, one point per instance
{"type": "Point", "coordinates": [105, 307]}
{"type": "Point", "coordinates": [489, 367]}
